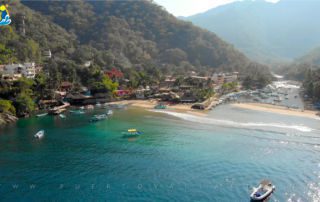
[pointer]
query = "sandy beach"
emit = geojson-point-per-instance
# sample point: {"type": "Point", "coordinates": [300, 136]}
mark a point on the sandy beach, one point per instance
{"type": "Point", "coordinates": [277, 109]}
{"type": "Point", "coordinates": [149, 104]}
{"type": "Point", "coordinates": [186, 108]}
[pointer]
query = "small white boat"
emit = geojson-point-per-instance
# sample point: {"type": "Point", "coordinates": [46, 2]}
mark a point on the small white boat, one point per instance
{"type": "Point", "coordinates": [98, 104]}
{"type": "Point", "coordinates": [89, 107]}
{"type": "Point", "coordinates": [77, 112]}
{"type": "Point", "coordinates": [109, 112]}
{"type": "Point", "coordinates": [62, 116]}
{"type": "Point", "coordinates": [131, 133]}
{"type": "Point", "coordinates": [39, 134]}
{"type": "Point", "coordinates": [41, 115]}
{"type": "Point", "coordinates": [263, 191]}
{"type": "Point", "coordinates": [96, 118]}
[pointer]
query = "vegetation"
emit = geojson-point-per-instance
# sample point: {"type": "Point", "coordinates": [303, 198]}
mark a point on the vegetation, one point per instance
{"type": "Point", "coordinates": [250, 25]}
{"type": "Point", "coordinates": [137, 37]}
{"type": "Point", "coordinates": [312, 84]}
{"type": "Point", "coordinates": [7, 107]}
{"type": "Point", "coordinates": [229, 87]}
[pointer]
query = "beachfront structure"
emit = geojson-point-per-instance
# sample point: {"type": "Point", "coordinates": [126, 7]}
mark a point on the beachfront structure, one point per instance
{"type": "Point", "coordinates": [218, 79]}
{"type": "Point", "coordinates": [65, 86]}
{"type": "Point", "coordinates": [168, 83]}
{"type": "Point", "coordinates": [221, 78]}
{"type": "Point", "coordinates": [231, 77]}
{"type": "Point", "coordinates": [114, 73]}
{"type": "Point", "coordinates": [15, 71]}
{"type": "Point", "coordinates": [197, 82]}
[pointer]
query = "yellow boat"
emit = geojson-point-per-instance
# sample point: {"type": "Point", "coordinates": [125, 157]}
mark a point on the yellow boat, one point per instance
{"type": "Point", "coordinates": [132, 132]}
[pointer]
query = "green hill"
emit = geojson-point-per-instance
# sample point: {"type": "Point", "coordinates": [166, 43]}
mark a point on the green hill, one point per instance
{"type": "Point", "coordinates": [137, 33]}
{"type": "Point", "coordinates": [266, 32]}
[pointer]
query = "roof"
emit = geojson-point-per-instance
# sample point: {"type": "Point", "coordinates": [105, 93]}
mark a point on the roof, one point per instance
{"type": "Point", "coordinates": [66, 84]}
{"type": "Point", "coordinates": [200, 77]}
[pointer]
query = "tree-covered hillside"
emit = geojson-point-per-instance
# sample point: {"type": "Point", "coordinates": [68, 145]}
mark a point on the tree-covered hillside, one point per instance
{"type": "Point", "coordinates": [265, 31]}
{"type": "Point", "coordinates": [135, 33]}
{"type": "Point", "coordinates": [138, 37]}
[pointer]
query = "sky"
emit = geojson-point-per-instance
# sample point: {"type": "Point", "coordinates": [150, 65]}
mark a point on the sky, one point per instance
{"type": "Point", "coordinates": [191, 7]}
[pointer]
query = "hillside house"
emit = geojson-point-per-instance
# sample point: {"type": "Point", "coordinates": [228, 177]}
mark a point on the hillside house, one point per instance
{"type": "Point", "coordinates": [15, 71]}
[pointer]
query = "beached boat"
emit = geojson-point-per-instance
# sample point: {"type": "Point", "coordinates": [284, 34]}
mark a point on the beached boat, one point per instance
{"type": "Point", "coordinates": [263, 191]}
{"type": "Point", "coordinates": [42, 115]}
{"type": "Point", "coordinates": [115, 106]}
{"type": "Point", "coordinates": [109, 112]}
{"type": "Point", "coordinates": [160, 106]}
{"type": "Point", "coordinates": [100, 117]}
{"type": "Point", "coordinates": [132, 133]}
{"type": "Point", "coordinates": [77, 111]}
{"type": "Point", "coordinates": [89, 107]}
{"type": "Point", "coordinates": [62, 116]}
{"type": "Point", "coordinates": [39, 134]}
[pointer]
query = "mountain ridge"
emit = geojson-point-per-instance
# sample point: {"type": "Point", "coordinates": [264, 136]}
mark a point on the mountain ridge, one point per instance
{"type": "Point", "coordinates": [265, 31]}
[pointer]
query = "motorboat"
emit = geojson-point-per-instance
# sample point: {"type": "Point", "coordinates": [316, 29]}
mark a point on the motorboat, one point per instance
{"type": "Point", "coordinates": [89, 107]}
{"type": "Point", "coordinates": [263, 191]}
{"type": "Point", "coordinates": [132, 133]}
{"type": "Point", "coordinates": [42, 115]}
{"type": "Point", "coordinates": [109, 112]}
{"type": "Point", "coordinates": [100, 117]}
{"type": "Point", "coordinates": [160, 106]}
{"type": "Point", "coordinates": [77, 111]}
{"type": "Point", "coordinates": [39, 134]}
{"type": "Point", "coordinates": [62, 116]}
{"type": "Point", "coordinates": [115, 106]}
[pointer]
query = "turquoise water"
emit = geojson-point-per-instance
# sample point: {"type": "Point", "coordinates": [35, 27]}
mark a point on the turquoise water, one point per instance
{"type": "Point", "coordinates": [180, 157]}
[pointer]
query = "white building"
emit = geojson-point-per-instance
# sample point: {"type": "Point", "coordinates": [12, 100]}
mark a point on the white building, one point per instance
{"type": "Point", "coordinates": [222, 78]}
{"type": "Point", "coordinates": [231, 77]}
{"type": "Point", "coordinates": [27, 70]}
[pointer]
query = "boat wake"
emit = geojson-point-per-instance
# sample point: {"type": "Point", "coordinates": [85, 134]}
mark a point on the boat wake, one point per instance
{"type": "Point", "coordinates": [206, 120]}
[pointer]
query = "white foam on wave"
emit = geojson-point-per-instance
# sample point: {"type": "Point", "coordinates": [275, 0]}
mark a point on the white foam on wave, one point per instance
{"type": "Point", "coordinates": [206, 120]}
{"type": "Point", "coordinates": [284, 84]}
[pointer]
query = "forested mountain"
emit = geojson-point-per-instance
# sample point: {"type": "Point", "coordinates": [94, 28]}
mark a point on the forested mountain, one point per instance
{"type": "Point", "coordinates": [136, 33]}
{"type": "Point", "coordinates": [307, 70]}
{"type": "Point", "coordinates": [137, 37]}
{"type": "Point", "coordinates": [313, 57]}
{"type": "Point", "coordinates": [266, 32]}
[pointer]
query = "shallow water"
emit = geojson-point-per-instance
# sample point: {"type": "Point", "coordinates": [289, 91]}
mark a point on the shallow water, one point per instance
{"type": "Point", "coordinates": [180, 157]}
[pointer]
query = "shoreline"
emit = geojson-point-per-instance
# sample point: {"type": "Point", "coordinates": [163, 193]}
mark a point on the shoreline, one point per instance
{"type": "Point", "coordinates": [277, 110]}
{"type": "Point", "coordinates": [150, 104]}
{"type": "Point", "coordinates": [186, 108]}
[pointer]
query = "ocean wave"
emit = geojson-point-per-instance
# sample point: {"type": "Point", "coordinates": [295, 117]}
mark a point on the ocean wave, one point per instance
{"type": "Point", "coordinates": [206, 120]}
{"type": "Point", "coordinates": [284, 84]}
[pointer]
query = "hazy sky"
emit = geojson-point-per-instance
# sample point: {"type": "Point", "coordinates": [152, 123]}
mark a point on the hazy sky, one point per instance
{"type": "Point", "coordinates": [191, 7]}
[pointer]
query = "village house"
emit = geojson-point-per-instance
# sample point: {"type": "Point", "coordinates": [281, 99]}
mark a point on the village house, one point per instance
{"type": "Point", "coordinates": [199, 81]}
{"type": "Point", "coordinates": [14, 71]}
{"type": "Point", "coordinates": [65, 86]}
{"type": "Point", "coordinates": [231, 77]}
{"type": "Point", "coordinates": [168, 83]}
{"type": "Point", "coordinates": [221, 78]}
{"type": "Point", "coordinates": [218, 79]}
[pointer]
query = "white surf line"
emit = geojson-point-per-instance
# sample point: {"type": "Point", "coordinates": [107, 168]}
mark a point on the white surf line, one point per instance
{"type": "Point", "coordinates": [205, 120]}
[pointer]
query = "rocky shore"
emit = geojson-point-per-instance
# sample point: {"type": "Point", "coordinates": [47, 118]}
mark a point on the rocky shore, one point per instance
{"type": "Point", "coordinates": [6, 118]}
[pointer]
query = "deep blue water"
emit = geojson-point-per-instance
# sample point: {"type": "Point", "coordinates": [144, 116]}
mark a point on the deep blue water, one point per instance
{"type": "Point", "coordinates": [180, 157]}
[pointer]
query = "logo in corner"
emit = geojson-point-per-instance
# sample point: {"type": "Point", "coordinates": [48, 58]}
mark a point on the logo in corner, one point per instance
{"type": "Point", "coordinates": [4, 16]}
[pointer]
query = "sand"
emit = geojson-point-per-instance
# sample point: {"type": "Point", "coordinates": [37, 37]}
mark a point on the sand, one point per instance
{"type": "Point", "coordinates": [150, 104]}
{"type": "Point", "coordinates": [277, 110]}
{"type": "Point", "coordinates": [186, 108]}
